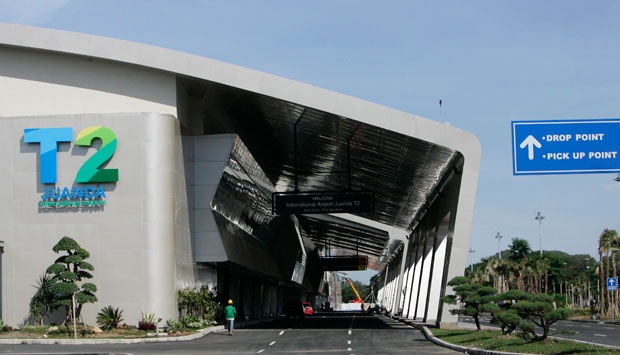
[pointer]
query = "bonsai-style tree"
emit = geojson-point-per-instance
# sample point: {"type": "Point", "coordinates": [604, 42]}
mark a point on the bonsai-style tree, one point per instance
{"type": "Point", "coordinates": [475, 298]}
{"type": "Point", "coordinates": [538, 310]}
{"type": "Point", "coordinates": [67, 273]}
{"type": "Point", "coordinates": [503, 313]}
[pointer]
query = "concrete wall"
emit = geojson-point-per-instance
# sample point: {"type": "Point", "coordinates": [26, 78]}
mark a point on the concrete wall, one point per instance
{"type": "Point", "coordinates": [132, 239]}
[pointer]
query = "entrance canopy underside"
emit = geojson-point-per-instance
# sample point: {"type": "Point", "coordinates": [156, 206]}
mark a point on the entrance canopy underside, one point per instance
{"type": "Point", "coordinates": [303, 149]}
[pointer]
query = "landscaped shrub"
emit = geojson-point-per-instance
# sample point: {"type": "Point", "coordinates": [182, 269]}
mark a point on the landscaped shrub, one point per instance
{"type": "Point", "coordinates": [185, 320]}
{"type": "Point", "coordinates": [5, 327]}
{"type": "Point", "coordinates": [174, 326]}
{"type": "Point", "coordinates": [147, 321]}
{"type": "Point", "coordinates": [198, 306]}
{"type": "Point", "coordinates": [109, 317]}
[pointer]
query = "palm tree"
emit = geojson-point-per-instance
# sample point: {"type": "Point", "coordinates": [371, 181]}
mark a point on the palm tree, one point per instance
{"type": "Point", "coordinates": [608, 244]}
{"type": "Point", "coordinates": [502, 270]}
{"type": "Point", "coordinates": [518, 255]}
{"type": "Point", "coordinates": [44, 299]}
{"type": "Point", "coordinates": [482, 272]}
{"type": "Point", "coordinates": [539, 269]}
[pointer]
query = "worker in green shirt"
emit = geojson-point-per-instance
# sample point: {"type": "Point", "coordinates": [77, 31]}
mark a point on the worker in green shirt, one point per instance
{"type": "Point", "coordinates": [230, 312]}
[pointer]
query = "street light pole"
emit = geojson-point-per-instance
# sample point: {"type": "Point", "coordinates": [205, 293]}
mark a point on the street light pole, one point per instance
{"type": "Point", "coordinates": [539, 217]}
{"type": "Point", "coordinates": [471, 259]}
{"type": "Point", "coordinates": [499, 245]}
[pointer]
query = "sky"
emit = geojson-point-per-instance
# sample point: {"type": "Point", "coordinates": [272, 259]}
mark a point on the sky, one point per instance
{"type": "Point", "coordinates": [490, 62]}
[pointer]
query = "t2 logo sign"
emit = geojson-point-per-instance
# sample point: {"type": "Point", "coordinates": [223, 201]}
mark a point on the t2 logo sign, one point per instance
{"type": "Point", "coordinates": [90, 171]}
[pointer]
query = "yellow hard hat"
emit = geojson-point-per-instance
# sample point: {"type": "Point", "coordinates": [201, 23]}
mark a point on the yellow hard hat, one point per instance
{"type": "Point", "coordinates": [229, 301]}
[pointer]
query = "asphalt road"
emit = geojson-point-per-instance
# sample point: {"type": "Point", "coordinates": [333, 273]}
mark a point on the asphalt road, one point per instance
{"type": "Point", "coordinates": [336, 334]}
{"type": "Point", "coordinates": [591, 332]}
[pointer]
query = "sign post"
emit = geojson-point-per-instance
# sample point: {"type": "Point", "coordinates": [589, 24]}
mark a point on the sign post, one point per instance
{"type": "Point", "coordinates": [566, 147]}
{"type": "Point", "coordinates": [612, 284]}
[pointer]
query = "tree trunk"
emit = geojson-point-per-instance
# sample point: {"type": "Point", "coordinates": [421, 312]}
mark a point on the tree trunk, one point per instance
{"type": "Point", "coordinates": [607, 274]}
{"type": "Point", "coordinates": [601, 277]}
{"type": "Point", "coordinates": [614, 298]}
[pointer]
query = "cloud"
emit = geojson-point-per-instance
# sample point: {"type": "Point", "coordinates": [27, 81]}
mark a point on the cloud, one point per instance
{"type": "Point", "coordinates": [29, 12]}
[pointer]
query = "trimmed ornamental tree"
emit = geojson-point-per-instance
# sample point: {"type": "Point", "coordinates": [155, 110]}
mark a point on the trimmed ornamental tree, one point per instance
{"type": "Point", "coordinates": [503, 313]}
{"type": "Point", "coordinates": [538, 310]}
{"type": "Point", "coordinates": [476, 299]}
{"type": "Point", "coordinates": [68, 272]}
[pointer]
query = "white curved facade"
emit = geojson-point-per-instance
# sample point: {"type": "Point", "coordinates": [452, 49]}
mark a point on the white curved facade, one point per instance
{"type": "Point", "coordinates": [141, 241]}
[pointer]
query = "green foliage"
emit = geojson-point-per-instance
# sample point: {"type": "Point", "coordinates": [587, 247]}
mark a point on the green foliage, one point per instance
{"type": "Point", "coordinates": [174, 326]}
{"type": "Point", "coordinates": [109, 317]}
{"type": "Point", "coordinates": [67, 272]}
{"type": "Point", "coordinates": [87, 295]}
{"type": "Point", "coordinates": [508, 320]}
{"type": "Point", "coordinates": [538, 310]}
{"type": "Point", "coordinates": [512, 295]}
{"type": "Point", "coordinates": [476, 299]}
{"type": "Point", "coordinates": [147, 321]}
{"type": "Point", "coordinates": [34, 329]}
{"type": "Point", "coordinates": [66, 244]}
{"type": "Point", "coordinates": [65, 288]}
{"type": "Point", "coordinates": [44, 299]}
{"type": "Point", "coordinates": [526, 311]}
{"type": "Point", "coordinates": [493, 341]}
{"type": "Point", "coordinates": [519, 250]}
{"type": "Point", "coordinates": [185, 320]}
{"type": "Point", "coordinates": [198, 305]}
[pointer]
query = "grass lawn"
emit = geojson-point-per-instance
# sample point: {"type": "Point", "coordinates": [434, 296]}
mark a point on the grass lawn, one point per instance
{"type": "Point", "coordinates": [494, 340]}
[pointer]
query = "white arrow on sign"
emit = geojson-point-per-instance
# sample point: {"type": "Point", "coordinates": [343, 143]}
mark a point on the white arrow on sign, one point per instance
{"type": "Point", "coordinates": [530, 142]}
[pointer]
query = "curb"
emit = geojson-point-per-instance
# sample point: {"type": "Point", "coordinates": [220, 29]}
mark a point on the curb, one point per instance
{"type": "Point", "coordinates": [198, 334]}
{"type": "Point", "coordinates": [430, 337]}
{"type": "Point", "coordinates": [466, 350]}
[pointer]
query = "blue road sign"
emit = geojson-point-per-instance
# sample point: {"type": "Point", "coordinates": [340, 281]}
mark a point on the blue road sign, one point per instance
{"type": "Point", "coordinates": [612, 284]}
{"type": "Point", "coordinates": [566, 147]}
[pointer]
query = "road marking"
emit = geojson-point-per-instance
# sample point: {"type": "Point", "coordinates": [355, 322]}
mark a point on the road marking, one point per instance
{"type": "Point", "coordinates": [282, 332]}
{"type": "Point", "coordinates": [271, 344]}
{"type": "Point", "coordinates": [260, 351]}
{"type": "Point", "coordinates": [599, 335]}
{"type": "Point", "coordinates": [609, 328]}
{"type": "Point", "coordinates": [349, 331]}
{"type": "Point", "coordinates": [349, 342]}
{"type": "Point", "coordinates": [587, 326]}
{"type": "Point", "coordinates": [348, 349]}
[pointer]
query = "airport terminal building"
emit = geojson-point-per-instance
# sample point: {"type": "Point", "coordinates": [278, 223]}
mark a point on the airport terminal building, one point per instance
{"type": "Point", "coordinates": [176, 171]}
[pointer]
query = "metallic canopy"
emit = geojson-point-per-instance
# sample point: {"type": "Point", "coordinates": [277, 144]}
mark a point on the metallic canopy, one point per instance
{"type": "Point", "coordinates": [300, 148]}
{"type": "Point", "coordinates": [302, 138]}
